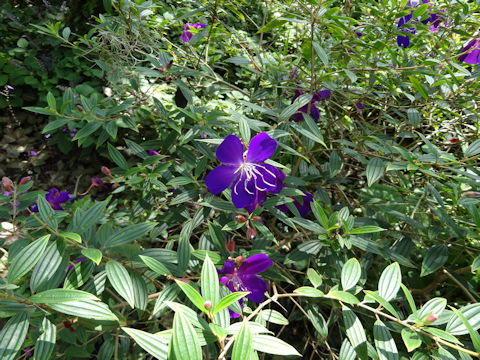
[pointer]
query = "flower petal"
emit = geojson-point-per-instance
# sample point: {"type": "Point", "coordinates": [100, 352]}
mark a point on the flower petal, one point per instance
{"type": "Point", "coordinates": [219, 178]}
{"type": "Point", "coordinates": [243, 191]}
{"type": "Point", "coordinates": [228, 268]}
{"type": "Point", "coordinates": [256, 286]}
{"type": "Point", "coordinates": [255, 264]}
{"type": "Point", "coordinates": [473, 57]}
{"type": "Point", "coordinates": [304, 208]}
{"type": "Point", "coordinates": [261, 147]}
{"type": "Point", "coordinates": [260, 198]}
{"type": "Point", "coordinates": [230, 151]}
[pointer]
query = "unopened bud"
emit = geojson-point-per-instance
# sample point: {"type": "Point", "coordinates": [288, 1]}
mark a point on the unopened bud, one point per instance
{"type": "Point", "coordinates": [431, 318]}
{"type": "Point", "coordinates": [472, 194]}
{"type": "Point", "coordinates": [108, 179]}
{"type": "Point", "coordinates": [80, 108]}
{"type": "Point", "coordinates": [105, 170]}
{"type": "Point", "coordinates": [208, 305]}
{"type": "Point", "coordinates": [169, 64]}
{"type": "Point", "coordinates": [25, 179]}
{"type": "Point", "coordinates": [115, 185]}
{"type": "Point", "coordinates": [454, 140]}
{"type": "Point", "coordinates": [257, 218]}
{"type": "Point", "coordinates": [161, 70]}
{"type": "Point", "coordinates": [143, 175]}
{"type": "Point", "coordinates": [240, 259]}
{"type": "Point", "coordinates": [251, 234]}
{"type": "Point", "coordinates": [240, 219]}
{"type": "Point", "coordinates": [6, 181]}
{"type": "Point", "coordinates": [230, 245]}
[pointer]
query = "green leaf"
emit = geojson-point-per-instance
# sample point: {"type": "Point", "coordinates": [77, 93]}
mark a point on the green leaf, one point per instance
{"type": "Point", "coordinates": [386, 348]}
{"type": "Point", "coordinates": [273, 316]}
{"type": "Point", "coordinates": [272, 345]}
{"type": "Point", "coordinates": [84, 220]}
{"type": "Point", "coordinates": [193, 295]}
{"type": "Point", "coordinates": [136, 149]}
{"type": "Point", "coordinates": [314, 277]}
{"type": "Point", "coordinates": [318, 321]}
{"type": "Point", "coordinates": [309, 291]}
{"type": "Point", "coordinates": [321, 53]}
{"type": "Point", "coordinates": [411, 339]}
{"type": "Point", "coordinates": [87, 130]}
{"type": "Point", "coordinates": [201, 254]}
{"type": "Point", "coordinates": [228, 300]}
{"type": "Point", "coordinates": [473, 333]}
{"type": "Point", "coordinates": [49, 270]}
{"type": "Point", "coordinates": [473, 149]}
{"type": "Point", "coordinates": [344, 296]}
{"type": "Point", "coordinates": [244, 129]}
{"type": "Point", "coordinates": [45, 212]}
{"type": "Point", "coordinates": [57, 296]}
{"type": "Point", "coordinates": [302, 100]}
{"type": "Point", "coordinates": [209, 281]}
{"type": "Point", "coordinates": [417, 85]}
{"type": "Point", "coordinates": [46, 341]}
{"type": "Point", "coordinates": [169, 293]}
{"type": "Point", "coordinates": [346, 351]}
{"type": "Point", "coordinates": [117, 157]}
{"type": "Point", "coordinates": [476, 264]}
{"type": "Point", "coordinates": [51, 101]}
{"type": "Point", "coordinates": [79, 274]}
{"type": "Point", "coordinates": [13, 335]}
{"type": "Point", "coordinates": [40, 110]}
{"type": "Point", "coordinates": [186, 345]}
{"type": "Point", "coordinates": [93, 254]}
{"type": "Point", "coordinates": [129, 234]}
{"type": "Point", "coordinates": [155, 265]}
{"type": "Point", "coordinates": [85, 308]}
{"type": "Point", "coordinates": [433, 306]}
{"type": "Point", "coordinates": [26, 259]}
{"type": "Point", "coordinates": [351, 273]}
{"type": "Point", "coordinates": [243, 347]}
{"type": "Point", "coordinates": [121, 281]}
{"type": "Point", "coordinates": [419, 11]}
{"type": "Point", "coordinates": [410, 300]}
{"type": "Point", "coordinates": [139, 291]}
{"type": "Point", "coordinates": [382, 301]}
{"type": "Point", "coordinates": [365, 230]}
{"type": "Point", "coordinates": [355, 332]}
{"type": "Point", "coordinates": [271, 25]}
{"type": "Point", "coordinates": [190, 314]}
{"type": "Point", "coordinates": [183, 253]}
{"type": "Point", "coordinates": [436, 257]}
{"type": "Point", "coordinates": [154, 345]}
{"type": "Point", "coordinates": [72, 236]}
{"type": "Point", "coordinates": [375, 170]}
{"type": "Point", "coordinates": [472, 313]}
{"type": "Point", "coordinates": [389, 282]}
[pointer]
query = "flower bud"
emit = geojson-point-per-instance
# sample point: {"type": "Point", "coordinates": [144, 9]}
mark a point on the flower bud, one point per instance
{"type": "Point", "coordinates": [454, 140]}
{"type": "Point", "coordinates": [472, 194]}
{"type": "Point", "coordinates": [430, 318]}
{"type": "Point", "coordinates": [230, 245]}
{"type": "Point", "coordinates": [108, 179]}
{"type": "Point", "coordinates": [240, 259]}
{"type": "Point", "coordinates": [105, 170]}
{"type": "Point", "coordinates": [6, 181]}
{"type": "Point", "coordinates": [208, 305]}
{"type": "Point", "coordinates": [80, 108]}
{"type": "Point", "coordinates": [251, 234]}
{"type": "Point", "coordinates": [161, 70]}
{"type": "Point", "coordinates": [257, 218]}
{"type": "Point", "coordinates": [240, 219]}
{"type": "Point", "coordinates": [115, 185]}
{"type": "Point", "coordinates": [143, 175]}
{"type": "Point", "coordinates": [25, 180]}
{"type": "Point", "coordinates": [169, 64]}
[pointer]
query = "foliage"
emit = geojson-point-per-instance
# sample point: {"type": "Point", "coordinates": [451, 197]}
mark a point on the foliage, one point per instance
{"type": "Point", "coordinates": [383, 261]}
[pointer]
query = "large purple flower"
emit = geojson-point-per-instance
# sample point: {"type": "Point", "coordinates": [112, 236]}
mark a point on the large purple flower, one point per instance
{"type": "Point", "coordinates": [247, 173]}
{"type": "Point", "coordinates": [186, 34]}
{"type": "Point", "coordinates": [244, 278]}
{"type": "Point", "coordinates": [55, 198]}
{"type": "Point", "coordinates": [434, 19]}
{"type": "Point", "coordinates": [473, 54]}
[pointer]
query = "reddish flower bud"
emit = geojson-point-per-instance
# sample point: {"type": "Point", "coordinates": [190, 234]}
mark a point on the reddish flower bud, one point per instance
{"type": "Point", "coordinates": [431, 318]}
{"type": "Point", "coordinates": [115, 185]}
{"type": "Point", "coordinates": [169, 64]}
{"type": "Point", "coordinates": [251, 234]}
{"type": "Point", "coordinates": [240, 259]}
{"type": "Point", "coordinates": [208, 305]}
{"type": "Point", "coordinates": [68, 325]}
{"type": "Point", "coordinates": [161, 70]}
{"type": "Point", "coordinates": [143, 175]}
{"type": "Point", "coordinates": [6, 181]}
{"type": "Point", "coordinates": [454, 140]}
{"type": "Point", "coordinates": [80, 108]}
{"type": "Point", "coordinates": [256, 218]}
{"type": "Point", "coordinates": [105, 170]}
{"type": "Point", "coordinates": [108, 179]}
{"type": "Point", "coordinates": [230, 245]}
{"type": "Point", "coordinates": [240, 219]}
{"type": "Point", "coordinates": [25, 179]}
{"type": "Point", "coordinates": [472, 194]}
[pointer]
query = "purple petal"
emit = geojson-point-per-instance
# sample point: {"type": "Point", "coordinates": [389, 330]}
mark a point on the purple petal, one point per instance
{"type": "Point", "coordinates": [261, 147]}
{"type": "Point", "coordinates": [280, 177]}
{"type": "Point", "coordinates": [314, 112]}
{"type": "Point", "coordinates": [255, 264]}
{"type": "Point", "coordinates": [220, 178]}
{"type": "Point", "coordinates": [256, 285]}
{"type": "Point", "coordinates": [243, 191]}
{"type": "Point", "coordinates": [260, 198]}
{"type": "Point", "coordinates": [473, 58]}
{"type": "Point", "coordinates": [305, 207]}
{"type": "Point", "coordinates": [228, 283]}
{"type": "Point", "coordinates": [228, 268]}
{"type": "Point", "coordinates": [62, 197]}
{"type": "Point", "coordinates": [403, 41]}
{"type": "Point", "coordinates": [52, 194]}
{"type": "Point", "coordinates": [323, 94]}
{"type": "Point", "coordinates": [230, 151]}
{"type": "Point", "coordinates": [266, 177]}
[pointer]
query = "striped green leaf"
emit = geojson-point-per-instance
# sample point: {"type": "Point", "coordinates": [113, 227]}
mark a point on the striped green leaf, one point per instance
{"type": "Point", "coordinates": [121, 281]}
{"type": "Point", "coordinates": [27, 258]}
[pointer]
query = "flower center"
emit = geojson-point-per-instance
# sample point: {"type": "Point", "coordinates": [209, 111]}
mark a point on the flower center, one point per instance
{"type": "Point", "coordinates": [258, 173]}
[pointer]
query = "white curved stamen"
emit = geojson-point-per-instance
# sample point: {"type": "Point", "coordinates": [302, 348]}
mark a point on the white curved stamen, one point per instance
{"type": "Point", "coordinates": [251, 170]}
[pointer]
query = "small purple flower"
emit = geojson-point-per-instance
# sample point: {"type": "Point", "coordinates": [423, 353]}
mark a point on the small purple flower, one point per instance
{"type": "Point", "coordinates": [244, 278]}
{"type": "Point", "coordinates": [96, 182]}
{"type": "Point", "coordinates": [473, 54]}
{"type": "Point", "coordinates": [322, 95]}
{"type": "Point", "coordinates": [359, 105]}
{"type": "Point", "coordinates": [303, 208]}
{"type": "Point", "coordinates": [404, 41]}
{"type": "Point", "coordinates": [359, 34]}
{"type": "Point", "coordinates": [9, 87]}
{"type": "Point", "coordinates": [33, 153]}
{"type": "Point", "coordinates": [246, 173]}
{"type": "Point", "coordinates": [186, 34]}
{"type": "Point", "coordinates": [55, 198]}
{"type": "Point", "coordinates": [153, 152]}
{"type": "Point", "coordinates": [304, 109]}
{"type": "Point", "coordinates": [47, 136]}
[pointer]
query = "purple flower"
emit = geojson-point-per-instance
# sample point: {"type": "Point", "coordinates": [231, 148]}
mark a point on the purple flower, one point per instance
{"type": "Point", "coordinates": [304, 109]}
{"type": "Point", "coordinates": [47, 136]}
{"type": "Point", "coordinates": [186, 34]}
{"type": "Point", "coordinates": [359, 105]}
{"type": "Point", "coordinates": [33, 153]}
{"type": "Point", "coordinates": [473, 55]}
{"type": "Point", "coordinates": [153, 153]}
{"type": "Point", "coordinates": [95, 182]}
{"type": "Point", "coordinates": [359, 34]}
{"type": "Point", "coordinates": [9, 87]}
{"type": "Point", "coordinates": [303, 208]}
{"type": "Point", "coordinates": [55, 198]}
{"type": "Point", "coordinates": [434, 19]}
{"type": "Point", "coordinates": [322, 95]}
{"type": "Point", "coordinates": [244, 278]}
{"type": "Point", "coordinates": [247, 173]}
